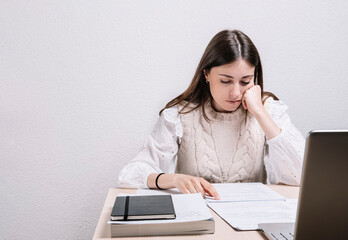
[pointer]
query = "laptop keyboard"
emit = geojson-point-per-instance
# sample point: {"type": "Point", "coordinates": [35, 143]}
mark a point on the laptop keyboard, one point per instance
{"type": "Point", "coordinates": [282, 236]}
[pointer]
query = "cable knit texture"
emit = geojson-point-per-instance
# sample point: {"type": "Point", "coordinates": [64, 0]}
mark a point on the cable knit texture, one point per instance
{"type": "Point", "coordinates": [225, 149]}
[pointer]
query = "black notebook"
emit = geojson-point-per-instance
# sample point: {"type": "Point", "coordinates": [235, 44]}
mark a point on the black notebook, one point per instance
{"type": "Point", "coordinates": [143, 207]}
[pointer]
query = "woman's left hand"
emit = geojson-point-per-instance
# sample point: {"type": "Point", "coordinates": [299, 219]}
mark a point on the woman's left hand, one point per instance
{"type": "Point", "coordinates": [252, 100]}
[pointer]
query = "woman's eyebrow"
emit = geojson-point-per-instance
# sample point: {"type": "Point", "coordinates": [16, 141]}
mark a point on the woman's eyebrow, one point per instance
{"type": "Point", "coordinates": [229, 76]}
{"type": "Point", "coordinates": [225, 75]}
{"type": "Point", "coordinates": [248, 76]}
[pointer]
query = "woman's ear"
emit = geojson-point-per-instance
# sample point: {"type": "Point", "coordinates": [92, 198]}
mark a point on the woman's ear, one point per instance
{"type": "Point", "coordinates": [206, 73]}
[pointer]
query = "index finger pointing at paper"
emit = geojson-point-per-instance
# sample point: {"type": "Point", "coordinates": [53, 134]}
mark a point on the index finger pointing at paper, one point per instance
{"type": "Point", "coordinates": [210, 189]}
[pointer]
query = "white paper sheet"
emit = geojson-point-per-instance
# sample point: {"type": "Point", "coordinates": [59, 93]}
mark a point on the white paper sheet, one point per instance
{"type": "Point", "coordinates": [246, 215]}
{"type": "Point", "coordinates": [238, 192]}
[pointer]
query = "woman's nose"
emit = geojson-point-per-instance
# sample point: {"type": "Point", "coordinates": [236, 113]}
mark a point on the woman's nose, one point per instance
{"type": "Point", "coordinates": [235, 90]}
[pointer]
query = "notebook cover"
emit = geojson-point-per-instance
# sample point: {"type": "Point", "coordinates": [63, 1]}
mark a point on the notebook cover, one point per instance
{"type": "Point", "coordinates": [143, 207]}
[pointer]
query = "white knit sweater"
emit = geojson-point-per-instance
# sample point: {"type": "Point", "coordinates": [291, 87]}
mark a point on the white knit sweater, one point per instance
{"type": "Point", "coordinates": [227, 148]}
{"type": "Point", "coordinates": [224, 150]}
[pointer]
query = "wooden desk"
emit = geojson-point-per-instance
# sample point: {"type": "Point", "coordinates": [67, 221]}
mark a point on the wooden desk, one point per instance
{"type": "Point", "coordinates": [222, 229]}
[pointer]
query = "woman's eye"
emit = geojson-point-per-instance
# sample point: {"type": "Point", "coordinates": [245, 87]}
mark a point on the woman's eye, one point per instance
{"type": "Point", "coordinates": [244, 83]}
{"type": "Point", "coordinates": [226, 82]}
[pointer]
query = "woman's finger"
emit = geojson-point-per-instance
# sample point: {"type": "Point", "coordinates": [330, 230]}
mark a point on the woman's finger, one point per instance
{"type": "Point", "coordinates": [244, 104]}
{"type": "Point", "coordinates": [199, 188]}
{"type": "Point", "coordinates": [183, 189]}
{"type": "Point", "coordinates": [209, 189]}
{"type": "Point", "coordinates": [190, 187]}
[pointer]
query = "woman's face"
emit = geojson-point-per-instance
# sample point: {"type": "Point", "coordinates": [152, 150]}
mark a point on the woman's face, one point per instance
{"type": "Point", "coordinates": [228, 83]}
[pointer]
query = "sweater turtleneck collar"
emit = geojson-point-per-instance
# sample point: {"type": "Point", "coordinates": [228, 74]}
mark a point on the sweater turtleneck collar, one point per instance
{"type": "Point", "coordinates": [216, 116]}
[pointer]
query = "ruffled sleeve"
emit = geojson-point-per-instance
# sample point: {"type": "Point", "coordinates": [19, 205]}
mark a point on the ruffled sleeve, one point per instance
{"type": "Point", "coordinates": [283, 154]}
{"type": "Point", "coordinates": [159, 153]}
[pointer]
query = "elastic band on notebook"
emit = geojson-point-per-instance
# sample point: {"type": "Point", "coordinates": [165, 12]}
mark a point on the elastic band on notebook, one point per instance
{"type": "Point", "coordinates": [125, 217]}
{"type": "Point", "coordinates": [156, 182]}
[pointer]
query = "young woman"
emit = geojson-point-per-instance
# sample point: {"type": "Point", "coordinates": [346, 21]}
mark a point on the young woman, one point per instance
{"type": "Point", "coordinates": [224, 128]}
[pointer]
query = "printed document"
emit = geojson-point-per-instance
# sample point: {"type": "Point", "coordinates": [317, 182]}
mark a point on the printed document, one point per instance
{"type": "Point", "coordinates": [244, 205]}
{"type": "Point", "coordinates": [246, 215]}
{"type": "Point", "coordinates": [240, 192]}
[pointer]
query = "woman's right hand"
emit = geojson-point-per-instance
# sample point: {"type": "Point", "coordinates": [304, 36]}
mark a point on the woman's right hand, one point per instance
{"type": "Point", "coordinates": [190, 184]}
{"type": "Point", "coordinates": [185, 184]}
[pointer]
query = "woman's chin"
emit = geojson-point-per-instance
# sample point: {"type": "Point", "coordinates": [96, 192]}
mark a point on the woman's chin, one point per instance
{"type": "Point", "coordinates": [226, 107]}
{"type": "Point", "coordinates": [231, 108]}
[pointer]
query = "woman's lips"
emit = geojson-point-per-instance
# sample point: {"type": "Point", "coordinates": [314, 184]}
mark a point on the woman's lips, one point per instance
{"type": "Point", "coordinates": [233, 102]}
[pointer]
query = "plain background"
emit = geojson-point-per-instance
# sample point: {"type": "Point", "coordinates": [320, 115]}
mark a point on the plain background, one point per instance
{"type": "Point", "coordinates": [81, 84]}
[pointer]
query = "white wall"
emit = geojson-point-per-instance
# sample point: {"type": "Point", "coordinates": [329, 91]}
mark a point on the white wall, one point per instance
{"type": "Point", "coordinates": [81, 84]}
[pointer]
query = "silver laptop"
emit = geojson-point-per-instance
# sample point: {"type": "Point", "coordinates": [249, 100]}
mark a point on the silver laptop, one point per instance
{"type": "Point", "coordinates": [322, 211]}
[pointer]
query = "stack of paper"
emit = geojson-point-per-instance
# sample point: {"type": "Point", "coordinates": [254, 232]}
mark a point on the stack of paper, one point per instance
{"type": "Point", "coordinates": [244, 205]}
{"type": "Point", "coordinates": [192, 217]}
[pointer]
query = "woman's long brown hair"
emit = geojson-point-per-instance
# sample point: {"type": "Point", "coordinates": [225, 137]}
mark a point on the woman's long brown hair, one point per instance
{"type": "Point", "coordinates": [225, 47]}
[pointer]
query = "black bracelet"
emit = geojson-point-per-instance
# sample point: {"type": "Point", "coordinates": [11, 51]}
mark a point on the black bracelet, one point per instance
{"type": "Point", "coordinates": [157, 181]}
